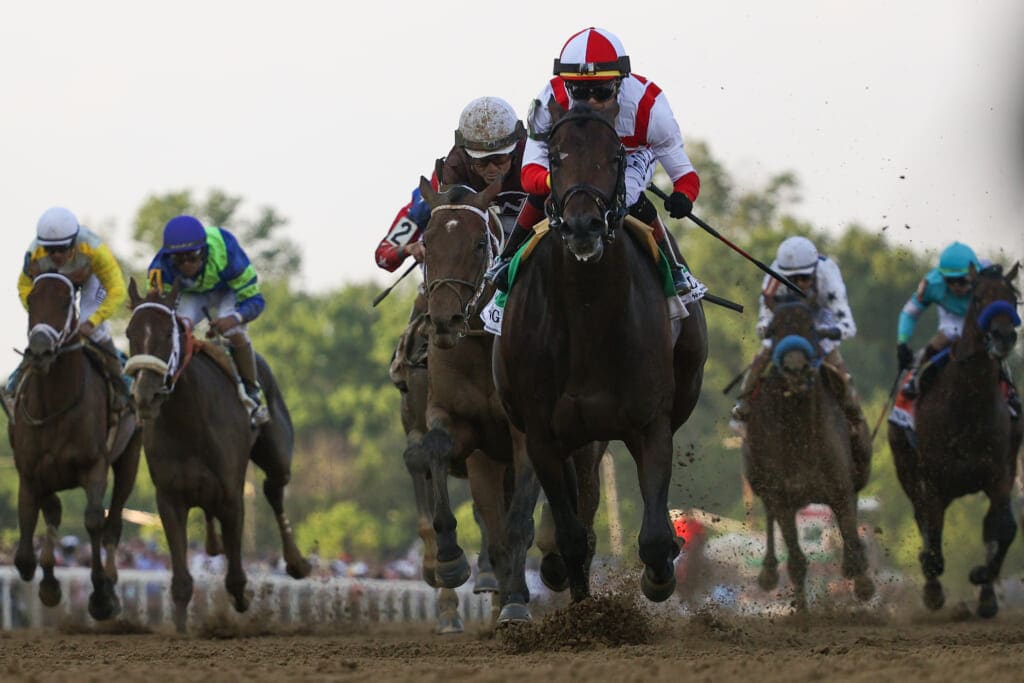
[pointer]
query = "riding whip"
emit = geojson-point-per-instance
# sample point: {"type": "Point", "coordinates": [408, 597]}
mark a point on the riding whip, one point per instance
{"type": "Point", "coordinates": [888, 403]}
{"type": "Point", "coordinates": [380, 297]}
{"type": "Point", "coordinates": [714, 233]}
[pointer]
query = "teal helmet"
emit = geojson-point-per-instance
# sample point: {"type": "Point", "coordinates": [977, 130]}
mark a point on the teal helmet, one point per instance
{"type": "Point", "coordinates": [956, 260]}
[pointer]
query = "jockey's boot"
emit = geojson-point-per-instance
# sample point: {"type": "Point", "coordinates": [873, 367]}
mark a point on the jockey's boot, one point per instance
{"type": "Point", "coordinates": [8, 392]}
{"type": "Point", "coordinates": [245, 360]}
{"type": "Point", "coordinates": [741, 411]}
{"type": "Point", "coordinates": [122, 397]}
{"type": "Point", "coordinates": [498, 273]}
{"type": "Point", "coordinates": [679, 271]}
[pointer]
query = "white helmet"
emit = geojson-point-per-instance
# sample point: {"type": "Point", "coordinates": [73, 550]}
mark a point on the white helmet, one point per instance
{"type": "Point", "coordinates": [797, 256]}
{"type": "Point", "coordinates": [488, 125]}
{"type": "Point", "coordinates": [57, 227]}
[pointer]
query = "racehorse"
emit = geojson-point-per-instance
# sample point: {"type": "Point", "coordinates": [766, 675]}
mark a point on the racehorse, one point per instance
{"type": "Point", "coordinates": [587, 352]}
{"type": "Point", "coordinates": [797, 450]}
{"type": "Point", "coordinates": [966, 440]}
{"type": "Point", "coordinates": [466, 425]}
{"type": "Point", "coordinates": [199, 440]}
{"type": "Point", "coordinates": [64, 436]}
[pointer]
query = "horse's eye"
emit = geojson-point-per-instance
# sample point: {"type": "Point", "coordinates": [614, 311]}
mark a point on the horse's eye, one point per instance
{"type": "Point", "coordinates": [481, 245]}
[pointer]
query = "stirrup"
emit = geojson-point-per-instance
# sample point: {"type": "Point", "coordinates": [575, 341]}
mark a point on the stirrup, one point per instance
{"type": "Point", "coordinates": [739, 412]}
{"type": "Point", "coordinates": [679, 280]}
{"type": "Point", "coordinates": [260, 416]}
{"type": "Point", "coordinates": [498, 274]}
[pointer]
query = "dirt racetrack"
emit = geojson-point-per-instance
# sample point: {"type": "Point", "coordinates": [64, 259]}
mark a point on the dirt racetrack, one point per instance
{"type": "Point", "coordinates": [590, 642]}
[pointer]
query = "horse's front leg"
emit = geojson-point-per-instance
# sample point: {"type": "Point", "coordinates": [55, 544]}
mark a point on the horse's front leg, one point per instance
{"type": "Point", "coordinates": [231, 516]}
{"type": "Point", "coordinates": [416, 462]}
{"type": "Point", "coordinates": [930, 515]}
{"type": "Point", "coordinates": [855, 560]}
{"type": "Point", "coordinates": [173, 518]}
{"type": "Point", "coordinates": [28, 517]}
{"type": "Point", "coordinates": [768, 578]}
{"type": "Point", "coordinates": [125, 468]}
{"type": "Point", "coordinates": [998, 531]}
{"type": "Point", "coordinates": [796, 564]}
{"type": "Point", "coordinates": [49, 587]}
{"type": "Point", "coordinates": [558, 478]}
{"type": "Point", "coordinates": [103, 602]}
{"type": "Point", "coordinates": [439, 445]}
{"type": "Point", "coordinates": [652, 451]}
{"type": "Point", "coordinates": [487, 486]}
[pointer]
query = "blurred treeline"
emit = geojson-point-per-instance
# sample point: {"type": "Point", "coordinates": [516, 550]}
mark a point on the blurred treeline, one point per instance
{"type": "Point", "coordinates": [350, 491]}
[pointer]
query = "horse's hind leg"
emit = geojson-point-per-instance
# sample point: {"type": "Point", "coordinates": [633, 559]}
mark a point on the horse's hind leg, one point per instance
{"type": "Point", "coordinates": [49, 587]}
{"type": "Point", "coordinates": [998, 531]}
{"type": "Point", "coordinates": [214, 543]}
{"type": "Point", "coordinates": [796, 564]}
{"type": "Point", "coordinates": [271, 456]}
{"type": "Point", "coordinates": [103, 602]}
{"type": "Point", "coordinates": [486, 580]}
{"type": "Point", "coordinates": [231, 516]}
{"type": "Point", "coordinates": [173, 517]}
{"type": "Point", "coordinates": [768, 578]}
{"type": "Point", "coordinates": [125, 468]}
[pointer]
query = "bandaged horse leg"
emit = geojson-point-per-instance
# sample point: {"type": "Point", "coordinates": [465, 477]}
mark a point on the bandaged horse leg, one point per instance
{"type": "Point", "coordinates": [245, 360]}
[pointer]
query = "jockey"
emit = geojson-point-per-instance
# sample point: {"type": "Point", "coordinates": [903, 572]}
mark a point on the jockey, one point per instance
{"type": "Point", "coordinates": [489, 145]}
{"type": "Point", "coordinates": [63, 246]}
{"type": "Point", "coordinates": [593, 67]}
{"type": "Point", "coordinates": [949, 286]}
{"type": "Point", "coordinates": [820, 279]}
{"type": "Point", "coordinates": [217, 281]}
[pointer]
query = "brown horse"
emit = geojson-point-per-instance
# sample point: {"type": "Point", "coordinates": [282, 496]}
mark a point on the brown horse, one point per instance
{"type": "Point", "coordinates": [411, 378]}
{"type": "Point", "coordinates": [199, 440]}
{"type": "Point", "coordinates": [588, 352]}
{"type": "Point", "coordinates": [60, 433]}
{"type": "Point", "coordinates": [966, 440]}
{"type": "Point", "coordinates": [798, 452]}
{"type": "Point", "coordinates": [466, 425]}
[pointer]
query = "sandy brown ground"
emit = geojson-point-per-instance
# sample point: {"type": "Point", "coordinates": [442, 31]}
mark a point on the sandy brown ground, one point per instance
{"type": "Point", "coordinates": [576, 644]}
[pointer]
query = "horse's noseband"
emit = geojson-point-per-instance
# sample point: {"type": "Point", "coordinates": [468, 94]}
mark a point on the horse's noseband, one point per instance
{"type": "Point", "coordinates": [613, 209]}
{"type": "Point", "coordinates": [167, 369]}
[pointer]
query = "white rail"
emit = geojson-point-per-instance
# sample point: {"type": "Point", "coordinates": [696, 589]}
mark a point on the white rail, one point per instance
{"type": "Point", "coordinates": [145, 599]}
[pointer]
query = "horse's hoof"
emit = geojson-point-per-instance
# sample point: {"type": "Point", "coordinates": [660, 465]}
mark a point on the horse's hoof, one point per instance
{"type": "Point", "coordinates": [514, 613]}
{"type": "Point", "coordinates": [980, 575]}
{"type": "Point", "coordinates": [934, 598]}
{"type": "Point", "coordinates": [104, 605]}
{"type": "Point", "coordinates": [26, 570]}
{"type": "Point", "coordinates": [181, 619]}
{"type": "Point", "coordinates": [453, 573]}
{"type": "Point", "coordinates": [988, 606]}
{"type": "Point", "coordinates": [299, 570]}
{"type": "Point", "coordinates": [449, 624]}
{"type": "Point", "coordinates": [768, 579]}
{"type": "Point", "coordinates": [553, 572]}
{"type": "Point", "coordinates": [486, 582]}
{"type": "Point", "coordinates": [241, 602]}
{"type": "Point", "coordinates": [49, 591]}
{"type": "Point", "coordinates": [657, 592]}
{"type": "Point", "coordinates": [863, 587]}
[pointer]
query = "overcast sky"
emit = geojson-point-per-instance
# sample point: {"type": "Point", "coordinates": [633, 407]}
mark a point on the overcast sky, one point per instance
{"type": "Point", "coordinates": [890, 113]}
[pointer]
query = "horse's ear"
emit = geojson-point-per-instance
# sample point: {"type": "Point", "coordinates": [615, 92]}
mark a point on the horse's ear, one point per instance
{"type": "Point", "coordinates": [427, 190]}
{"type": "Point", "coordinates": [173, 296]}
{"type": "Point", "coordinates": [133, 293]}
{"type": "Point", "coordinates": [971, 270]}
{"type": "Point", "coordinates": [490, 192]}
{"type": "Point", "coordinates": [439, 170]}
{"type": "Point", "coordinates": [555, 109]}
{"type": "Point", "coordinates": [1012, 275]}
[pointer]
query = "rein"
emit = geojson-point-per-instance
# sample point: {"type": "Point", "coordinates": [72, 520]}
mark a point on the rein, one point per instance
{"type": "Point", "coordinates": [168, 369]}
{"type": "Point", "coordinates": [613, 209]}
{"type": "Point", "coordinates": [494, 246]}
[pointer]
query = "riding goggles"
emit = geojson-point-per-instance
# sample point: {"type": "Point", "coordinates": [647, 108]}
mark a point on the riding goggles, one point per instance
{"type": "Point", "coordinates": [582, 91]}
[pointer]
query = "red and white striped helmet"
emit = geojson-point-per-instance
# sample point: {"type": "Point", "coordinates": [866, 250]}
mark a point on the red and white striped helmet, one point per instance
{"type": "Point", "coordinates": [592, 54]}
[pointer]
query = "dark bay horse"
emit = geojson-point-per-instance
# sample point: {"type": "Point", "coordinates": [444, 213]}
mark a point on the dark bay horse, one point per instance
{"type": "Point", "coordinates": [588, 353]}
{"type": "Point", "coordinates": [60, 432]}
{"type": "Point", "coordinates": [466, 425]}
{"type": "Point", "coordinates": [966, 439]}
{"type": "Point", "coordinates": [199, 440]}
{"type": "Point", "coordinates": [797, 450]}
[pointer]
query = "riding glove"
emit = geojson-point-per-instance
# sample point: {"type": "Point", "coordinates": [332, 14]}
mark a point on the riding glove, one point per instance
{"type": "Point", "coordinates": [678, 205]}
{"type": "Point", "coordinates": [904, 356]}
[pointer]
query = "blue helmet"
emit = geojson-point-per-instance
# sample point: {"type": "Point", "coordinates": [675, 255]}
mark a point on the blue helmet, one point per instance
{"type": "Point", "coordinates": [184, 233]}
{"type": "Point", "coordinates": [956, 260]}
